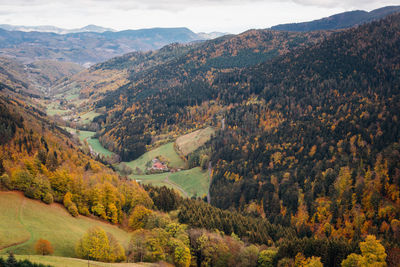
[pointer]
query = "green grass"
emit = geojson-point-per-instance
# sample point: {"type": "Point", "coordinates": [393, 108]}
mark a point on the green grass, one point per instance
{"type": "Point", "coordinates": [73, 262]}
{"type": "Point", "coordinates": [54, 109]}
{"type": "Point", "coordinates": [93, 142]}
{"type": "Point", "coordinates": [82, 134]}
{"type": "Point", "coordinates": [167, 151]}
{"type": "Point", "coordinates": [24, 221]}
{"type": "Point", "coordinates": [89, 116]}
{"type": "Point", "coordinates": [193, 182]}
{"type": "Point", "coordinates": [188, 143]}
{"type": "Point", "coordinates": [71, 97]}
{"type": "Point", "coordinates": [98, 148]}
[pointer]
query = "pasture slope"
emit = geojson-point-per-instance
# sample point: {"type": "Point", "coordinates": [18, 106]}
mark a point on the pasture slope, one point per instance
{"type": "Point", "coordinates": [23, 221]}
{"type": "Point", "coordinates": [188, 143]}
{"type": "Point", "coordinates": [166, 151]}
{"type": "Point", "coordinates": [93, 142]}
{"type": "Point", "coordinates": [193, 182]}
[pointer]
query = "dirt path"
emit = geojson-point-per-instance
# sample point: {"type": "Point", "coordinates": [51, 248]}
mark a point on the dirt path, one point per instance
{"type": "Point", "coordinates": [166, 180]}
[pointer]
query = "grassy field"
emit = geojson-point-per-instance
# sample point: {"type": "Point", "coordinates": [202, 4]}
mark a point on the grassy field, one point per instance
{"type": "Point", "coordinates": [24, 221]}
{"type": "Point", "coordinates": [53, 109]}
{"type": "Point", "coordinates": [82, 134]}
{"type": "Point", "coordinates": [88, 116]}
{"type": "Point", "coordinates": [166, 151]}
{"type": "Point", "coordinates": [93, 142]}
{"type": "Point", "coordinates": [73, 262]}
{"type": "Point", "coordinates": [188, 143]}
{"type": "Point", "coordinates": [98, 148]}
{"type": "Point", "coordinates": [72, 97]}
{"type": "Point", "coordinates": [193, 182]}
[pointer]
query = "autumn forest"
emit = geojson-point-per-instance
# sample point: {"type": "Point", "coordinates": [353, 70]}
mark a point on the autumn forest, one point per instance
{"type": "Point", "coordinates": [265, 148]}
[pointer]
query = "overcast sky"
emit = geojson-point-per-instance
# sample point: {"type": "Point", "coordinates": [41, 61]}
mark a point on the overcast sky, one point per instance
{"type": "Point", "coordinates": [232, 16]}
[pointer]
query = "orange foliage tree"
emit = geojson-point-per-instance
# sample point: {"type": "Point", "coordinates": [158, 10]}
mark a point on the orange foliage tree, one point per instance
{"type": "Point", "coordinates": [43, 247]}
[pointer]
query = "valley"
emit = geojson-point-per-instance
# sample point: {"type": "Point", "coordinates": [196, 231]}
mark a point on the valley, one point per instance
{"type": "Point", "coordinates": [264, 148]}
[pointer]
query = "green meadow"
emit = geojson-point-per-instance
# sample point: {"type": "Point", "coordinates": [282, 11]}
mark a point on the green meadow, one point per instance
{"type": "Point", "coordinates": [23, 221]}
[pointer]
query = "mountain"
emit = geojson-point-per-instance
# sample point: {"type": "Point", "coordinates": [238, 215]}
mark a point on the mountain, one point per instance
{"type": "Point", "coordinates": [304, 158]}
{"type": "Point", "coordinates": [211, 35]}
{"type": "Point", "coordinates": [339, 21]}
{"type": "Point", "coordinates": [167, 70]}
{"type": "Point", "coordinates": [75, 199]}
{"type": "Point", "coordinates": [91, 28]}
{"type": "Point", "coordinates": [53, 29]}
{"type": "Point", "coordinates": [307, 132]}
{"type": "Point", "coordinates": [114, 73]}
{"type": "Point", "coordinates": [87, 48]}
{"type": "Point", "coordinates": [33, 79]}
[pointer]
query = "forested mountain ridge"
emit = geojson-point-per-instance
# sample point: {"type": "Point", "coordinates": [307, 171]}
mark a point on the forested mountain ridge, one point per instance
{"type": "Point", "coordinates": [43, 161]}
{"type": "Point", "coordinates": [339, 21]}
{"type": "Point", "coordinates": [331, 163]}
{"type": "Point", "coordinates": [47, 164]}
{"type": "Point", "coordinates": [33, 79]}
{"type": "Point", "coordinates": [166, 89]}
{"type": "Point", "coordinates": [87, 48]}
{"type": "Point", "coordinates": [112, 74]}
{"type": "Point", "coordinates": [309, 138]}
{"type": "Point", "coordinates": [305, 162]}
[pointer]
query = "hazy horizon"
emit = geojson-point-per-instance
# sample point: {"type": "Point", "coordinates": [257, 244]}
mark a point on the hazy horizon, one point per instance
{"type": "Point", "coordinates": [231, 16]}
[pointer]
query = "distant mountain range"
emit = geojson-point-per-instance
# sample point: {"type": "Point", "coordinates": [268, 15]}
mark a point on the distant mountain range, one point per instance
{"type": "Point", "coordinates": [93, 44]}
{"type": "Point", "coordinates": [87, 48]}
{"type": "Point", "coordinates": [49, 28]}
{"type": "Point", "coordinates": [211, 35]}
{"type": "Point", "coordinates": [339, 21]}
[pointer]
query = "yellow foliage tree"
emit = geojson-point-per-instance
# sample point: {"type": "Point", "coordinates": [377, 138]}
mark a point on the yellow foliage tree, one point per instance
{"type": "Point", "coordinates": [98, 245]}
{"type": "Point", "coordinates": [139, 217]}
{"type": "Point", "coordinates": [373, 254]}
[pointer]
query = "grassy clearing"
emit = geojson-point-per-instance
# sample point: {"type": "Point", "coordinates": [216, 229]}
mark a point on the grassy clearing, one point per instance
{"type": "Point", "coordinates": [73, 262]}
{"type": "Point", "coordinates": [81, 134]}
{"type": "Point", "coordinates": [25, 220]}
{"type": "Point", "coordinates": [54, 109]}
{"type": "Point", "coordinates": [72, 97]}
{"type": "Point", "coordinates": [98, 148]}
{"type": "Point", "coordinates": [167, 151]}
{"type": "Point", "coordinates": [93, 142]}
{"type": "Point", "coordinates": [188, 143]}
{"type": "Point", "coordinates": [89, 116]}
{"type": "Point", "coordinates": [193, 182]}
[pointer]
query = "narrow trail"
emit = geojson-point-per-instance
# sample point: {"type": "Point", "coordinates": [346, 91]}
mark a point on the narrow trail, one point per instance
{"type": "Point", "coordinates": [166, 180]}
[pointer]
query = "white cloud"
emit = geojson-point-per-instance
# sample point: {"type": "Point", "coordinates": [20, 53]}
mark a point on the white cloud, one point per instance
{"type": "Point", "coordinates": [200, 15]}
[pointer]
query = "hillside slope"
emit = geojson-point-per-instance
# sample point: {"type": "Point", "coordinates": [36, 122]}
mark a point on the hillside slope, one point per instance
{"type": "Point", "coordinates": [309, 138]}
{"type": "Point", "coordinates": [328, 153]}
{"type": "Point", "coordinates": [339, 21]}
{"type": "Point", "coordinates": [87, 48]}
{"type": "Point", "coordinates": [154, 95]}
{"type": "Point", "coordinates": [24, 221]}
{"type": "Point", "coordinates": [33, 79]}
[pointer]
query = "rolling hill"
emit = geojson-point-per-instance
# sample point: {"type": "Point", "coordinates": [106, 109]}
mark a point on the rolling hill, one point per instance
{"type": "Point", "coordinates": [33, 79]}
{"type": "Point", "coordinates": [47, 28]}
{"type": "Point", "coordinates": [339, 21]}
{"type": "Point", "coordinates": [24, 221]}
{"type": "Point", "coordinates": [306, 134]}
{"type": "Point", "coordinates": [304, 152]}
{"type": "Point", "coordinates": [193, 67]}
{"type": "Point", "coordinates": [87, 48]}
